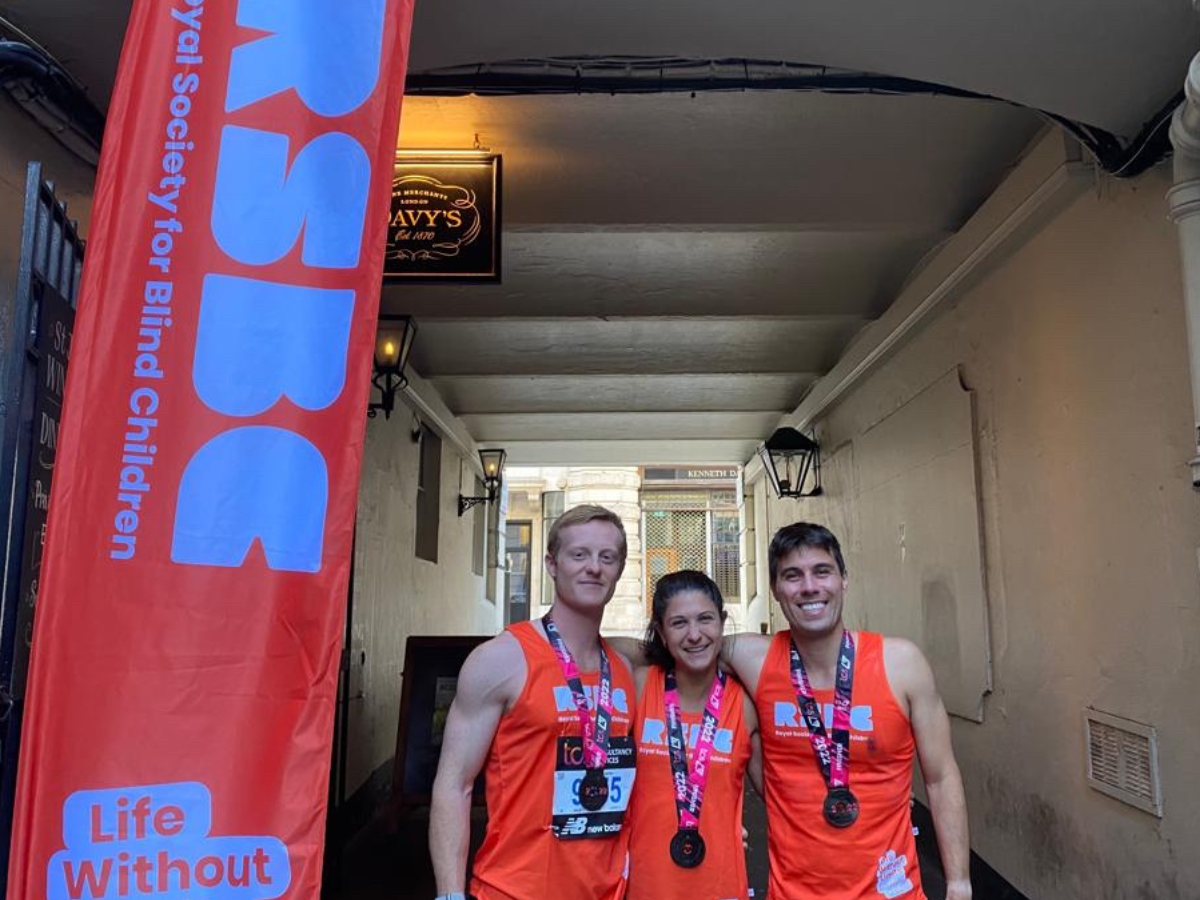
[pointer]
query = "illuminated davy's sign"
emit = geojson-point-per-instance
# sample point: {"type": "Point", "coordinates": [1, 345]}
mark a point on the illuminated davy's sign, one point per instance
{"type": "Point", "coordinates": [445, 221]}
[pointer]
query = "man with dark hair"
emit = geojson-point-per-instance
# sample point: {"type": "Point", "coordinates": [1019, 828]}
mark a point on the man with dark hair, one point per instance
{"type": "Point", "coordinates": [841, 716]}
{"type": "Point", "coordinates": [548, 706]}
{"type": "Point", "coordinates": [799, 535]}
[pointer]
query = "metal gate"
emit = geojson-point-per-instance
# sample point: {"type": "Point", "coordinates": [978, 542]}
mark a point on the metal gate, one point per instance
{"type": "Point", "coordinates": [35, 342]}
{"type": "Point", "coordinates": [675, 539]}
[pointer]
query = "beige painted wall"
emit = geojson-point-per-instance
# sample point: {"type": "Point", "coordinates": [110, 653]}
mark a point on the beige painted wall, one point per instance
{"type": "Point", "coordinates": [755, 613]}
{"type": "Point", "coordinates": [1075, 347]}
{"type": "Point", "coordinates": [396, 594]}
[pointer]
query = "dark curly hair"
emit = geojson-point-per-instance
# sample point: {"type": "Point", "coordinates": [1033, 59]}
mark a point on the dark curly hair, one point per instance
{"type": "Point", "coordinates": [668, 586]}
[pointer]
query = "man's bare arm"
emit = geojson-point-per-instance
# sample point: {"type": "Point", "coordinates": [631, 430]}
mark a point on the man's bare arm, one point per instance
{"type": "Point", "coordinates": [631, 650]}
{"type": "Point", "coordinates": [743, 654]}
{"type": "Point", "coordinates": [943, 782]}
{"type": "Point", "coordinates": [754, 766]}
{"type": "Point", "coordinates": [490, 680]}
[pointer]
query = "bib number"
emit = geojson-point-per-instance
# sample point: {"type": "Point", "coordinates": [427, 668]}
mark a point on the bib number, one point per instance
{"type": "Point", "coordinates": [569, 820]}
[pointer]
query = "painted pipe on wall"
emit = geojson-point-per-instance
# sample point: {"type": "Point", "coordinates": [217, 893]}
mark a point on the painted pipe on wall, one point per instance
{"type": "Point", "coordinates": [1184, 201]}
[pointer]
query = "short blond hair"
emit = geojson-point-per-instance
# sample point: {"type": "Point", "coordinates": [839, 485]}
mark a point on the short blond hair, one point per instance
{"type": "Point", "coordinates": [581, 515]}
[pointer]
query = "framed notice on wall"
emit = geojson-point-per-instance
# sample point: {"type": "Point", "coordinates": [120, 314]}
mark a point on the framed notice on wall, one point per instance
{"type": "Point", "coordinates": [445, 218]}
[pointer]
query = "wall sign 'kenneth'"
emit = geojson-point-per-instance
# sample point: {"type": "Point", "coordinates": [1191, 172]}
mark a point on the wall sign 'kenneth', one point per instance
{"type": "Point", "coordinates": [198, 544]}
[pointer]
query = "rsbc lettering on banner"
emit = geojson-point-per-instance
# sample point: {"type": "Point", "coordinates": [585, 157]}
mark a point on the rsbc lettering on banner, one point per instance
{"type": "Point", "coordinates": [198, 546]}
{"type": "Point", "coordinates": [262, 206]}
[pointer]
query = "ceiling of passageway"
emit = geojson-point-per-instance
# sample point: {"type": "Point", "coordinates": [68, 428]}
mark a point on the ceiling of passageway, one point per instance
{"type": "Point", "coordinates": [678, 269]}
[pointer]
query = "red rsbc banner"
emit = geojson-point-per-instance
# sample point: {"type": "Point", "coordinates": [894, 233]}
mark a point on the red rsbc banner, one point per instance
{"type": "Point", "coordinates": [184, 670]}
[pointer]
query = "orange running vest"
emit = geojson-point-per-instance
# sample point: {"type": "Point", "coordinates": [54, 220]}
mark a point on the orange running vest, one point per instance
{"type": "Point", "coordinates": [520, 858]}
{"type": "Point", "coordinates": [874, 858]}
{"type": "Point", "coordinates": [653, 820]}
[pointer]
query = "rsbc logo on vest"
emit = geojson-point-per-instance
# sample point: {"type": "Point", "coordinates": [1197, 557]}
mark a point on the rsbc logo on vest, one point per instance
{"type": "Point", "coordinates": [787, 715]}
{"type": "Point", "coordinates": [565, 702]}
{"type": "Point", "coordinates": [654, 732]}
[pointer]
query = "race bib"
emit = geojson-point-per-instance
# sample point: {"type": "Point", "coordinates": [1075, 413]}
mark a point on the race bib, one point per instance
{"type": "Point", "coordinates": [569, 820]}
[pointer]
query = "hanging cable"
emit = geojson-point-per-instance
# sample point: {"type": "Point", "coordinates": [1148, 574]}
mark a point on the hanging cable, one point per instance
{"type": "Point", "coordinates": [667, 74]}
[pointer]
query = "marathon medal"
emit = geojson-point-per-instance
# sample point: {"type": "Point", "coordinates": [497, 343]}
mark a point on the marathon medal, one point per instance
{"type": "Point", "coordinates": [593, 788]}
{"type": "Point", "coordinates": [832, 751]}
{"type": "Point", "coordinates": [841, 807]}
{"type": "Point", "coordinates": [687, 846]}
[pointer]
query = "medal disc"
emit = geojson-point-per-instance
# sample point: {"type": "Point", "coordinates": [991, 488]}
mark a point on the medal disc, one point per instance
{"type": "Point", "coordinates": [841, 807]}
{"type": "Point", "coordinates": [593, 790]}
{"type": "Point", "coordinates": [687, 848]}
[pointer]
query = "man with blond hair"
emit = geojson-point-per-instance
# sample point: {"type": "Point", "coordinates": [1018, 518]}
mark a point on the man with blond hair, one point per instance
{"type": "Point", "coordinates": [547, 706]}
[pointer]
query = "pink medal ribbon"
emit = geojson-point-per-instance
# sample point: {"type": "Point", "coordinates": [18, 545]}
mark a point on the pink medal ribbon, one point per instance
{"type": "Point", "coordinates": [690, 782]}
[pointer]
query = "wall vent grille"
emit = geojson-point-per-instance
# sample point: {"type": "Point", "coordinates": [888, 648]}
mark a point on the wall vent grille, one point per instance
{"type": "Point", "coordinates": [1122, 760]}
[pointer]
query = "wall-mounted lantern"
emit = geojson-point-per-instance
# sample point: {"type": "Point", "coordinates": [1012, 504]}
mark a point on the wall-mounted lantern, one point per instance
{"type": "Point", "coordinates": [793, 463]}
{"type": "Point", "coordinates": [493, 469]}
{"type": "Point", "coordinates": [393, 343]}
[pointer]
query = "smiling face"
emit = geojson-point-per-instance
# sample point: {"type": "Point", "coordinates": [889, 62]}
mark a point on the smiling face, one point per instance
{"type": "Point", "coordinates": [587, 565]}
{"type": "Point", "coordinates": [809, 587]}
{"type": "Point", "coordinates": [691, 628]}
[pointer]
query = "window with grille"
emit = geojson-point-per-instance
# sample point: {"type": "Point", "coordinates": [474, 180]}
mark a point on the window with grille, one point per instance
{"type": "Point", "coordinates": [723, 499]}
{"type": "Point", "coordinates": [726, 554]}
{"type": "Point", "coordinates": [750, 556]}
{"type": "Point", "coordinates": [675, 499]}
{"type": "Point", "coordinates": [696, 529]}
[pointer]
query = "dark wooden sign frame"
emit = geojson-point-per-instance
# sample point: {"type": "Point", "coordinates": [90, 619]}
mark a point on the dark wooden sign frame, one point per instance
{"type": "Point", "coordinates": [429, 663]}
{"type": "Point", "coordinates": [446, 218]}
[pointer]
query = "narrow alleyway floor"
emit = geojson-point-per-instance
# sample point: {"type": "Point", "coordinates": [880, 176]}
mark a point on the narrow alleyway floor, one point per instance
{"type": "Point", "coordinates": [377, 865]}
